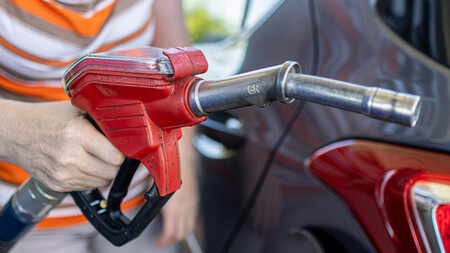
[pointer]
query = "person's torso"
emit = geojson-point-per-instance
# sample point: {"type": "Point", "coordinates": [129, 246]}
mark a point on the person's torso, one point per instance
{"type": "Point", "coordinates": [39, 40]}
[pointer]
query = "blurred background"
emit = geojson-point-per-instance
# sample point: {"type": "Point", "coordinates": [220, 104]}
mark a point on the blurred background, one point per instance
{"type": "Point", "coordinates": [403, 45]}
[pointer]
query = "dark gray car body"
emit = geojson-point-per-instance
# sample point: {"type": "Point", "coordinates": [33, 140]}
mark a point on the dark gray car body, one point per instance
{"type": "Point", "coordinates": [294, 212]}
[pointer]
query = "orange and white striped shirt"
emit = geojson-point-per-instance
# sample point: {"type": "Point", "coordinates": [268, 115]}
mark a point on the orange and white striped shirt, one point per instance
{"type": "Point", "coordinates": [40, 39]}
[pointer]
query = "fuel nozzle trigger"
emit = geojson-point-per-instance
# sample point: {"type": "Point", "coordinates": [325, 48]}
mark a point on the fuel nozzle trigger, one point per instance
{"type": "Point", "coordinates": [106, 215]}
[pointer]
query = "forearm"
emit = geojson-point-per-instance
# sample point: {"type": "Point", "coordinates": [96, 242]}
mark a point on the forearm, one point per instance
{"type": "Point", "coordinates": [170, 29]}
{"type": "Point", "coordinates": [10, 125]}
{"type": "Point", "coordinates": [187, 153]}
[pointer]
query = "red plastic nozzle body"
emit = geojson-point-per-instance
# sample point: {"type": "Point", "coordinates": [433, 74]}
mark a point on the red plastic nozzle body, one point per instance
{"type": "Point", "coordinates": [139, 98]}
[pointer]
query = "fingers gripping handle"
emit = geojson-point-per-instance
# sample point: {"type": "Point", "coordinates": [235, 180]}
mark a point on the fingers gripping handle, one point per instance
{"type": "Point", "coordinates": [106, 214]}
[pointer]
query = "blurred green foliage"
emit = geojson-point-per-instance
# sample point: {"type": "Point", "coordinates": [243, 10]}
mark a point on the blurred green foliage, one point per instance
{"type": "Point", "coordinates": [203, 27]}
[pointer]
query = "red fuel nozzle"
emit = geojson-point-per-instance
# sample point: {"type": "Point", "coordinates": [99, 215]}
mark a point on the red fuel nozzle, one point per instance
{"type": "Point", "coordinates": [139, 99]}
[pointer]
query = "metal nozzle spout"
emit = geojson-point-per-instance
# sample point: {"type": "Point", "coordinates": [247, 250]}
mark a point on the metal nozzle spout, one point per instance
{"type": "Point", "coordinates": [396, 107]}
{"type": "Point", "coordinates": [401, 108]}
{"type": "Point", "coordinates": [285, 83]}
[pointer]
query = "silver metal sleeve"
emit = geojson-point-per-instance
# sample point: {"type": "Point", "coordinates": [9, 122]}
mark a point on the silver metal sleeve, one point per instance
{"type": "Point", "coordinates": [374, 102]}
{"type": "Point", "coordinates": [252, 88]}
{"type": "Point", "coordinates": [285, 83]}
{"type": "Point", "coordinates": [33, 200]}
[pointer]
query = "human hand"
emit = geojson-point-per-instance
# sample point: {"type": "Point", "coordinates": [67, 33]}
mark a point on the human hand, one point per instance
{"type": "Point", "coordinates": [180, 213]}
{"type": "Point", "coordinates": [56, 145]}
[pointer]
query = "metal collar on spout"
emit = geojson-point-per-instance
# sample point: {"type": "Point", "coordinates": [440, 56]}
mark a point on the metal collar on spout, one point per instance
{"type": "Point", "coordinates": [287, 69]}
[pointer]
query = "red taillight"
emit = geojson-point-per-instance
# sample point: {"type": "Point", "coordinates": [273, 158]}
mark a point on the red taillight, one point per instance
{"type": "Point", "coordinates": [431, 207]}
{"type": "Point", "coordinates": [393, 191]}
{"type": "Point", "coordinates": [442, 218]}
